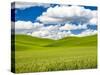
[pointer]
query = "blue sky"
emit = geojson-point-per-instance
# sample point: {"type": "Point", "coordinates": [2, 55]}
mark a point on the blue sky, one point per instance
{"type": "Point", "coordinates": [31, 13]}
{"type": "Point", "coordinates": [37, 19]}
{"type": "Point", "coordinates": [28, 14]}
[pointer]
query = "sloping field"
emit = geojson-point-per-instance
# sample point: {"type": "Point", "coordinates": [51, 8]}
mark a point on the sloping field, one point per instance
{"type": "Point", "coordinates": [38, 55]}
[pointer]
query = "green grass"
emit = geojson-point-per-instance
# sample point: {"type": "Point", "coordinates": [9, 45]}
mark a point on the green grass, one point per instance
{"type": "Point", "coordinates": [39, 55]}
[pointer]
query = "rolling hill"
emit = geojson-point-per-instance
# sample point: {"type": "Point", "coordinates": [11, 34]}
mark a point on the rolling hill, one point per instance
{"type": "Point", "coordinates": [25, 41]}
{"type": "Point", "coordinates": [38, 55]}
{"type": "Point", "coordinates": [75, 41]}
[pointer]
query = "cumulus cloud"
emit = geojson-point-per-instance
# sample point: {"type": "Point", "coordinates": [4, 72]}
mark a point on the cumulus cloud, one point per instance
{"type": "Point", "coordinates": [57, 32]}
{"type": "Point", "coordinates": [25, 26]}
{"type": "Point", "coordinates": [72, 27]}
{"type": "Point", "coordinates": [87, 32]}
{"type": "Point", "coordinates": [58, 22]}
{"type": "Point", "coordinates": [51, 34]}
{"type": "Point", "coordinates": [23, 5]}
{"type": "Point", "coordinates": [49, 20]}
{"type": "Point", "coordinates": [22, 27]}
{"type": "Point", "coordinates": [51, 31]}
{"type": "Point", "coordinates": [93, 21]}
{"type": "Point", "coordinates": [69, 14]}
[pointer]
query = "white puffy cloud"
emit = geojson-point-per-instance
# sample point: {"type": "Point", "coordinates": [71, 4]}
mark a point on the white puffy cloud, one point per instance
{"type": "Point", "coordinates": [51, 34]}
{"type": "Point", "coordinates": [23, 25]}
{"type": "Point", "coordinates": [51, 31]}
{"type": "Point", "coordinates": [47, 32]}
{"type": "Point", "coordinates": [93, 21]}
{"type": "Point", "coordinates": [26, 25]}
{"type": "Point", "coordinates": [73, 27]}
{"type": "Point", "coordinates": [40, 33]}
{"type": "Point", "coordinates": [51, 28]}
{"type": "Point", "coordinates": [55, 32]}
{"type": "Point", "coordinates": [37, 26]}
{"type": "Point", "coordinates": [50, 20]}
{"type": "Point", "coordinates": [68, 14]}
{"type": "Point", "coordinates": [87, 32]}
{"type": "Point", "coordinates": [57, 22]}
{"type": "Point", "coordinates": [59, 35]}
{"type": "Point", "coordinates": [23, 5]}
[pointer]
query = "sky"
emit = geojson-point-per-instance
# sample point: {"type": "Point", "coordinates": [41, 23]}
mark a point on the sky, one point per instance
{"type": "Point", "coordinates": [53, 21]}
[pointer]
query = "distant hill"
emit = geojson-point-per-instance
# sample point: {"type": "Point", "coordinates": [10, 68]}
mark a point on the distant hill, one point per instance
{"type": "Point", "coordinates": [24, 42]}
{"type": "Point", "coordinates": [76, 41]}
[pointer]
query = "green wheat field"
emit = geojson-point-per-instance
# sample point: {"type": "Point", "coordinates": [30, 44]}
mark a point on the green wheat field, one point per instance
{"type": "Point", "coordinates": [39, 55]}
